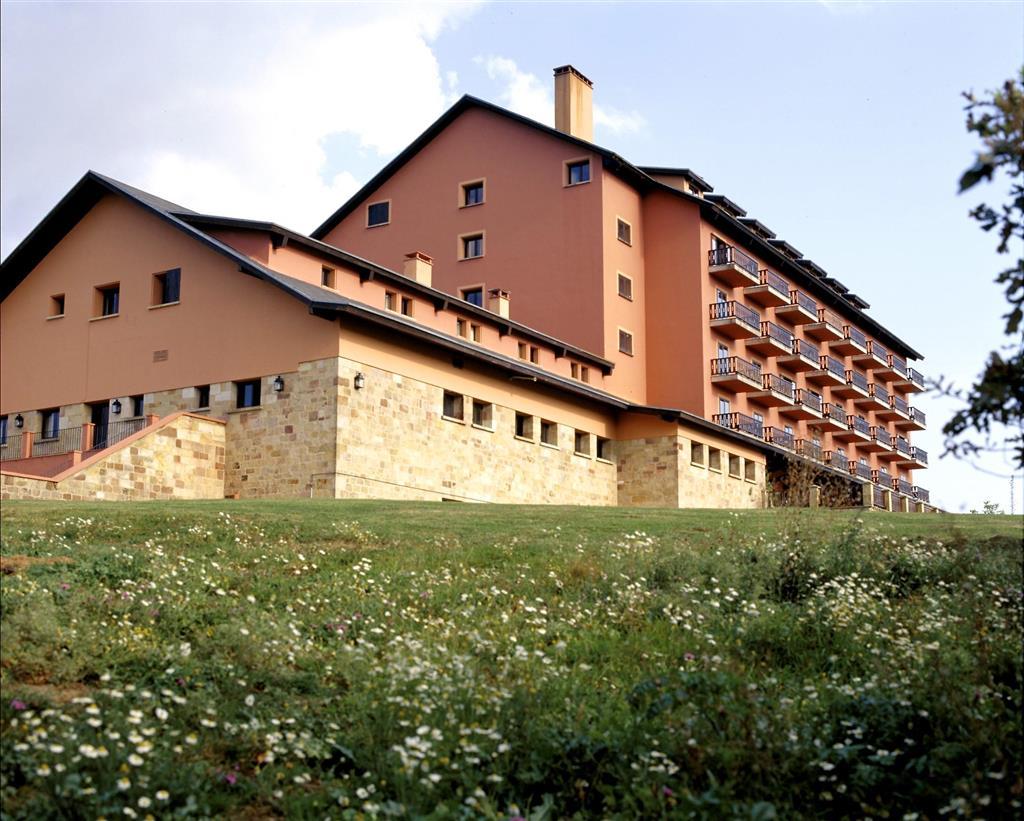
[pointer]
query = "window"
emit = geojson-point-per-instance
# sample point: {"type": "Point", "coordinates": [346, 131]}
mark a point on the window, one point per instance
{"type": "Point", "coordinates": [624, 231]}
{"type": "Point", "coordinates": [717, 243]}
{"type": "Point", "coordinates": [57, 305]}
{"type": "Point", "coordinates": [789, 429]}
{"type": "Point", "coordinates": [724, 406]}
{"type": "Point", "coordinates": [327, 277]}
{"type": "Point", "coordinates": [50, 425]}
{"type": "Point", "coordinates": [474, 332]}
{"type": "Point", "coordinates": [3, 430]}
{"type": "Point", "coordinates": [625, 287]}
{"type": "Point", "coordinates": [483, 414]}
{"type": "Point", "coordinates": [460, 327]}
{"type": "Point", "coordinates": [167, 287]}
{"type": "Point", "coordinates": [604, 449]}
{"type": "Point", "coordinates": [523, 351]}
{"type": "Point", "coordinates": [548, 433]}
{"type": "Point", "coordinates": [378, 213]}
{"type": "Point", "coordinates": [720, 295]}
{"type": "Point", "coordinates": [584, 373]}
{"type": "Point", "coordinates": [581, 443]}
{"type": "Point", "coordinates": [749, 470]}
{"type": "Point", "coordinates": [390, 300]}
{"type": "Point", "coordinates": [697, 454]}
{"type": "Point", "coordinates": [723, 351]}
{"type": "Point", "coordinates": [574, 370]}
{"type": "Point", "coordinates": [715, 459]}
{"type": "Point", "coordinates": [524, 426]}
{"type": "Point", "coordinates": [473, 247]}
{"type": "Point", "coordinates": [138, 405]}
{"type": "Point", "coordinates": [735, 465]}
{"type": "Point", "coordinates": [577, 172]}
{"type": "Point", "coordinates": [625, 342]}
{"type": "Point", "coordinates": [474, 296]}
{"type": "Point", "coordinates": [202, 396]}
{"type": "Point", "coordinates": [109, 298]}
{"type": "Point", "coordinates": [406, 306]}
{"type": "Point", "coordinates": [534, 354]}
{"type": "Point", "coordinates": [472, 193]}
{"type": "Point", "coordinates": [452, 406]}
{"type": "Point", "coordinates": [247, 394]}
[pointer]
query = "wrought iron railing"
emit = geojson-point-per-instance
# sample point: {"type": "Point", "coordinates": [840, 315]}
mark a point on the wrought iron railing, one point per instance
{"type": "Point", "coordinates": [917, 416]}
{"type": "Point", "coordinates": [881, 477]}
{"type": "Point", "coordinates": [899, 404]}
{"type": "Point", "coordinates": [898, 364]}
{"type": "Point", "coordinates": [902, 446]}
{"type": "Point", "coordinates": [741, 422]}
{"type": "Point", "coordinates": [876, 391]}
{"type": "Point", "coordinates": [66, 441]}
{"type": "Point", "coordinates": [859, 424]}
{"type": "Point", "coordinates": [921, 494]}
{"type": "Point", "coordinates": [776, 436]}
{"type": "Point", "coordinates": [919, 455]}
{"type": "Point", "coordinates": [860, 470]}
{"type": "Point", "coordinates": [833, 366]}
{"type": "Point", "coordinates": [778, 333]}
{"type": "Point", "coordinates": [837, 459]}
{"type": "Point", "coordinates": [104, 436]}
{"type": "Point", "coordinates": [878, 351]}
{"type": "Point", "coordinates": [833, 320]}
{"type": "Point", "coordinates": [904, 487]}
{"type": "Point", "coordinates": [11, 449]}
{"type": "Point", "coordinates": [728, 365]}
{"type": "Point", "coordinates": [773, 280]}
{"type": "Point", "coordinates": [736, 310]}
{"type": "Point", "coordinates": [833, 411]}
{"type": "Point", "coordinates": [800, 298]}
{"type": "Point", "coordinates": [856, 336]}
{"type": "Point", "coordinates": [915, 377]}
{"type": "Point", "coordinates": [857, 379]}
{"type": "Point", "coordinates": [809, 399]}
{"type": "Point", "coordinates": [728, 255]}
{"type": "Point", "coordinates": [809, 449]}
{"type": "Point", "coordinates": [774, 382]}
{"type": "Point", "coordinates": [801, 347]}
{"type": "Point", "coordinates": [881, 435]}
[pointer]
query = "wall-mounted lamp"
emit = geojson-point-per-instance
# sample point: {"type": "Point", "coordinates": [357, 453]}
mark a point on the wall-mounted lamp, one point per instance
{"type": "Point", "coordinates": [115, 407]}
{"type": "Point", "coordinates": [360, 381]}
{"type": "Point", "coordinates": [19, 421]}
{"type": "Point", "coordinates": [278, 384]}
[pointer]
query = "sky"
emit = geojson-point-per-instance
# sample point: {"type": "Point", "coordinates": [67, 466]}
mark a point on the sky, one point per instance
{"type": "Point", "coordinates": [839, 125]}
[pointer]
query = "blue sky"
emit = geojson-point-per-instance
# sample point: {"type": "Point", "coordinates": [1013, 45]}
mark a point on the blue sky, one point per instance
{"type": "Point", "coordinates": [838, 125]}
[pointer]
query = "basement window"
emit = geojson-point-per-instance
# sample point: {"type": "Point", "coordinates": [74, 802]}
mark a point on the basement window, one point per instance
{"type": "Point", "coordinates": [604, 449]}
{"type": "Point", "coordinates": [624, 231]}
{"type": "Point", "coordinates": [167, 287]}
{"type": "Point", "coordinates": [483, 414]}
{"type": "Point", "coordinates": [452, 406]}
{"type": "Point", "coordinates": [56, 306]}
{"type": "Point", "coordinates": [697, 454]}
{"type": "Point", "coordinates": [327, 278]}
{"type": "Point", "coordinates": [577, 172]}
{"type": "Point", "coordinates": [524, 426]}
{"type": "Point", "coordinates": [625, 287]}
{"type": "Point", "coordinates": [247, 394]}
{"type": "Point", "coordinates": [378, 213]}
{"type": "Point", "coordinates": [548, 433]}
{"type": "Point", "coordinates": [581, 443]}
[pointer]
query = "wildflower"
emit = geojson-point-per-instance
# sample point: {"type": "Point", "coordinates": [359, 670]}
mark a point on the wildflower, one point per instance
{"type": "Point", "coordinates": [18, 704]}
{"type": "Point", "coordinates": [162, 795]}
{"type": "Point", "coordinates": [250, 700]}
{"type": "Point", "coordinates": [161, 713]}
{"type": "Point", "coordinates": [123, 784]}
{"type": "Point", "coordinates": [136, 760]}
{"type": "Point", "coordinates": [145, 802]}
{"type": "Point", "coordinates": [43, 770]}
{"type": "Point", "coordinates": [231, 778]}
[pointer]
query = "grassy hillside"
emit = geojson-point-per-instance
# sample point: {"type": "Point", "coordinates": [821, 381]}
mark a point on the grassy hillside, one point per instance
{"type": "Point", "coordinates": [310, 659]}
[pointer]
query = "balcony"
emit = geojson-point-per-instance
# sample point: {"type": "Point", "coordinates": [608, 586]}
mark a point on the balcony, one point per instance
{"type": "Point", "coordinates": [894, 368]}
{"type": "Point", "coordinates": [828, 328]}
{"type": "Point", "coordinates": [775, 392]}
{"type": "Point", "coordinates": [856, 387]}
{"type": "Point", "coordinates": [779, 438]}
{"type": "Point", "coordinates": [735, 373]}
{"type": "Point", "coordinates": [882, 477]}
{"type": "Point", "coordinates": [837, 459]}
{"type": "Point", "coordinates": [857, 430]}
{"type": "Point", "coordinates": [830, 372]}
{"type": "Point", "coordinates": [734, 319]}
{"type": "Point", "coordinates": [881, 442]}
{"type": "Point", "coordinates": [902, 446]}
{"type": "Point", "coordinates": [903, 487]}
{"type": "Point", "coordinates": [809, 449]}
{"type": "Point", "coordinates": [921, 494]}
{"type": "Point", "coordinates": [800, 310]}
{"type": "Point", "coordinates": [873, 358]}
{"type": "Point", "coordinates": [732, 266]}
{"type": "Point", "coordinates": [879, 397]}
{"type": "Point", "coordinates": [773, 341]}
{"type": "Point", "coordinates": [913, 382]}
{"type": "Point", "coordinates": [915, 420]}
{"type": "Point", "coordinates": [805, 405]}
{"type": "Point", "coordinates": [899, 409]}
{"type": "Point", "coordinates": [833, 418]}
{"type": "Point", "coordinates": [853, 342]}
{"type": "Point", "coordinates": [773, 290]}
{"type": "Point", "coordinates": [740, 422]}
{"type": "Point", "coordinates": [916, 460]}
{"type": "Point", "coordinates": [803, 357]}
{"type": "Point", "coordinates": [860, 470]}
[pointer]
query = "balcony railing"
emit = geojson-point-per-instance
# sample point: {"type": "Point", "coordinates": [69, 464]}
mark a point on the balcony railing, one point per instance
{"type": "Point", "coordinates": [881, 477]}
{"type": "Point", "coordinates": [856, 336]}
{"type": "Point", "coordinates": [915, 377]}
{"type": "Point", "coordinates": [857, 379]}
{"type": "Point", "coordinates": [899, 405]}
{"type": "Point", "coordinates": [860, 470]}
{"type": "Point", "coordinates": [776, 436]}
{"type": "Point", "coordinates": [728, 365]}
{"type": "Point", "coordinates": [809, 449]}
{"type": "Point", "coordinates": [69, 440]}
{"type": "Point", "coordinates": [741, 422]}
{"type": "Point", "coordinates": [831, 319]}
{"type": "Point", "coordinates": [837, 459]}
{"type": "Point", "coordinates": [881, 435]}
{"type": "Point", "coordinates": [878, 351]}
{"type": "Point", "coordinates": [830, 410]}
{"type": "Point", "coordinates": [778, 333]}
{"type": "Point", "coordinates": [805, 349]}
{"type": "Point", "coordinates": [902, 446]}
{"type": "Point", "coordinates": [66, 441]}
{"type": "Point", "coordinates": [917, 416]}
{"type": "Point", "coordinates": [728, 255]}
{"type": "Point", "coordinates": [11, 448]}
{"type": "Point", "coordinates": [773, 280]}
{"type": "Point", "coordinates": [859, 424]}
{"type": "Point", "coordinates": [774, 382]}
{"type": "Point", "coordinates": [808, 399]}
{"type": "Point", "coordinates": [919, 455]}
{"type": "Point", "coordinates": [921, 494]}
{"type": "Point", "coordinates": [878, 392]}
{"type": "Point", "coordinates": [898, 364]}
{"type": "Point", "coordinates": [736, 310]}
{"type": "Point", "coordinates": [833, 366]}
{"type": "Point", "coordinates": [800, 298]}
{"type": "Point", "coordinates": [903, 486]}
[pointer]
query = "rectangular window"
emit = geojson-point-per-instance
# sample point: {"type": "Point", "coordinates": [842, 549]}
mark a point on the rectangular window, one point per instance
{"type": "Point", "coordinates": [474, 296]}
{"type": "Point", "coordinates": [548, 433]}
{"type": "Point", "coordinates": [390, 300]}
{"type": "Point", "coordinates": [697, 454]}
{"type": "Point", "coordinates": [474, 332]}
{"type": "Point", "coordinates": [109, 298]}
{"type": "Point", "coordinates": [734, 466]}
{"type": "Point", "coordinates": [483, 414]}
{"type": "Point", "coordinates": [721, 296]}
{"type": "Point", "coordinates": [138, 405]}
{"type": "Point", "coordinates": [625, 342]}
{"type": "Point", "coordinates": [327, 277]}
{"type": "Point", "coordinates": [406, 306]}
{"type": "Point", "coordinates": [378, 213]}
{"type": "Point", "coordinates": [452, 406]}
{"type": "Point", "coordinates": [534, 354]}
{"type": "Point", "coordinates": [523, 351]}
{"type": "Point", "coordinates": [723, 351]}
{"type": "Point", "coordinates": [724, 406]}
{"type": "Point", "coordinates": [3, 430]}
{"type": "Point", "coordinates": [472, 193]}
{"type": "Point", "coordinates": [581, 443]}
{"type": "Point", "coordinates": [524, 426]}
{"type": "Point", "coordinates": [574, 370]}
{"type": "Point", "coordinates": [57, 305]}
{"type": "Point", "coordinates": [167, 287]}
{"type": "Point", "coordinates": [624, 231]}
{"type": "Point", "coordinates": [584, 373]}
{"type": "Point", "coordinates": [715, 459]}
{"type": "Point", "coordinates": [625, 287]}
{"type": "Point", "coordinates": [749, 470]}
{"type": "Point", "coordinates": [202, 396]}
{"type": "Point", "coordinates": [604, 449]}
{"type": "Point", "coordinates": [473, 247]}
{"type": "Point", "coordinates": [49, 427]}
{"type": "Point", "coordinates": [247, 394]}
{"type": "Point", "coordinates": [460, 327]}
{"type": "Point", "coordinates": [577, 172]}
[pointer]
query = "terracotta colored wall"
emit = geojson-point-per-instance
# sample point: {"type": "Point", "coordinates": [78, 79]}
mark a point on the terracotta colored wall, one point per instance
{"type": "Point", "coordinates": [543, 241]}
{"type": "Point", "coordinates": [227, 325]}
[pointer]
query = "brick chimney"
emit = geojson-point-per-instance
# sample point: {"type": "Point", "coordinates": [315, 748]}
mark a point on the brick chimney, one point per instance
{"type": "Point", "coordinates": [419, 266]}
{"type": "Point", "coordinates": [574, 109]}
{"type": "Point", "coordinates": [497, 301]}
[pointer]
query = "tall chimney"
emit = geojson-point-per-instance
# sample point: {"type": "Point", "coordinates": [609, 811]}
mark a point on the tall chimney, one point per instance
{"type": "Point", "coordinates": [418, 266]}
{"type": "Point", "coordinates": [574, 108]}
{"type": "Point", "coordinates": [497, 301]}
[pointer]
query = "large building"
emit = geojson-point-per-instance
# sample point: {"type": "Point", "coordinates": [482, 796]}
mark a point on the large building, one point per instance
{"type": "Point", "coordinates": [506, 312]}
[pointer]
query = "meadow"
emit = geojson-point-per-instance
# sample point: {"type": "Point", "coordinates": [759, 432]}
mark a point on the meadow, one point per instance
{"type": "Point", "coordinates": [362, 659]}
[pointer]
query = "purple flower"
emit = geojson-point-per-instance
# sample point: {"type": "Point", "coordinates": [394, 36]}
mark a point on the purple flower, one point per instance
{"type": "Point", "coordinates": [666, 791]}
{"type": "Point", "coordinates": [17, 704]}
{"type": "Point", "coordinates": [65, 586]}
{"type": "Point", "coordinates": [689, 656]}
{"type": "Point", "coordinates": [231, 778]}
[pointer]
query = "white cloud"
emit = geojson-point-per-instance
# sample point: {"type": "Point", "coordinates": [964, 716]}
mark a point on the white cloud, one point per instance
{"type": "Point", "coordinates": [220, 110]}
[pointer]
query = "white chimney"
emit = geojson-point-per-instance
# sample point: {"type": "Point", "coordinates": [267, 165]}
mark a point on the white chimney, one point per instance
{"type": "Point", "coordinates": [574, 107]}
{"type": "Point", "coordinates": [497, 302]}
{"type": "Point", "coordinates": [419, 266]}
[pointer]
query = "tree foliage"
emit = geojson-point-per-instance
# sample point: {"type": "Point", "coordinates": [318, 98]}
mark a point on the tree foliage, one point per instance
{"type": "Point", "coordinates": [996, 398]}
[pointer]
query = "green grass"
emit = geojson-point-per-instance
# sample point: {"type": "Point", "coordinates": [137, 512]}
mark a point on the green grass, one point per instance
{"type": "Point", "coordinates": [312, 659]}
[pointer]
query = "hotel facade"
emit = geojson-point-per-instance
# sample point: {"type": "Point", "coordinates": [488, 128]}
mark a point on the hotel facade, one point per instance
{"type": "Point", "coordinates": [506, 312]}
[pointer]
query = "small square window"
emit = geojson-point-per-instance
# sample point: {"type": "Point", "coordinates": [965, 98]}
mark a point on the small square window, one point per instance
{"type": "Point", "coordinates": [390, 300]}
{"type": "Point", "coordinates": [460, 327]}
{"type": "Point", "coordinates": [406, 306]}
{"type": "Point", "coordinates": [378, 213]}
{"type": "Point", "coordinates": [452, 406]}
{"type": "Point", "coordinates": [625, 287]}
{"type": "Point", "coordinates": [483, 414]}
{"type": "Point", "coordinates": [715, 459]}
{"type": "Point", "coordinates": [202, 396]}
{"type": "Point", "coordinates": [697, 454]}
{"type": "Point", "coordinates": [749, 470]}
{"type": "Point", "coordinates": [49, 427]}
{"type": "Point", "coordinates": [473, 193]}
{"type": "Point", "coordinates": [524, 426]}
{"type": "Point", "coordinates": [625, 342]}
{"type": "Point", "coordinates": [734, 465]}
{"type": "Point", "coordinates": [604, 449]}
{"type": "Point", "coordinates": [167, 287]}
{"type": "Point", "coordinates": [57, 305]}
{"type": "Point", "coordinates": [624, 231]}
{"type": "Point", "coordinates": [472, 248]}
{"type": "Point", "coordinates": [524, 350]}
{"type": "Point", "coordinates": [247, 394]}
{"type": "Point", "coordinates": [581, 443]}
{"type": "Point", "coordinates": [549, 433]}
{"type": "Point", "coordinates": [327, 277]}
{"type": "Point", "coordinates": [474, 296]}
{"type": "Point", "coordinates": [138, 405]}
{"type": "Point", "coordinates": [474, 332]}
{"type": "Point", "coordinates": [109, 299]}
{"type": "Point", "coordinates": [577, 172]}
{"type": "Point", "coordinates": [534, 354]}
